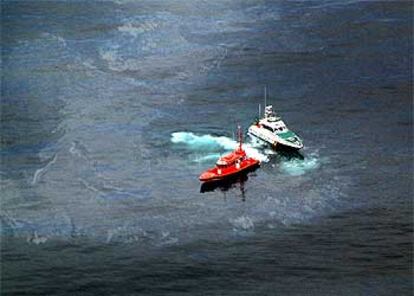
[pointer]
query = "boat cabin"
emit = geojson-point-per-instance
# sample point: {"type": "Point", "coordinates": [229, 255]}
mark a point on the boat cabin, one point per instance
{"type": "Point", "coordinates": [274, 127]}
{"type": "Point", "coordinates": [231, 159]}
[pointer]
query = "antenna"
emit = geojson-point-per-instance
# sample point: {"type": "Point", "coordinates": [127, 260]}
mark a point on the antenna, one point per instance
{"type": "Point", "coordinates": [259, 110]}
{"type": "Point", "coordinates": [265, 90]}
{"type": "Point", "coordinates": [240, 138]}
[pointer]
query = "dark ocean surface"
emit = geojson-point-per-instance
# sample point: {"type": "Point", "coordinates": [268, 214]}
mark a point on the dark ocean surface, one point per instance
{"type": "Point", "coordinates": [111, 110]}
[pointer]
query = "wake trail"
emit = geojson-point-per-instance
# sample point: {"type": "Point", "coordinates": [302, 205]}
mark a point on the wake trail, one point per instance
{"type": "Point", "coordinates": [211, 144]}
{"type": "Point", "coordinates": [208, 148]}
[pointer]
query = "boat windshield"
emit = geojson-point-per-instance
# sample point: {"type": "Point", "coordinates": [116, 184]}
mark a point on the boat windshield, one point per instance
{"type": "Point", "coordinates": [268, 128]}
{"type": "Point", "coordinates": [280, 129]}
{"type": "Point", "coordinates": [221, 163]}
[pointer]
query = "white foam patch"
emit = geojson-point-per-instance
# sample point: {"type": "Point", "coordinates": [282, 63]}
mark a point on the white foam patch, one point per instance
{"type": "Point", "coordinates": [255, 153]}
{"type": "Point", "coordinates": [114, 63]}
{"type": "Point", "coordinates": [137, 29]}
{"type": "Point", "coordinates": [57, 38]}
{"type": "Point", "coordinates": [242, 223]}
{"type": "Point", "coordinates": [298, 167]}
{"type": "Point", "coordinates": [204, 142]}
{"type": "Point", "coordinates": [270, 152]}
{"type": "Point", "coordinates": [214, 143]}
{"type": "Point", "coordinates": [36, 239]}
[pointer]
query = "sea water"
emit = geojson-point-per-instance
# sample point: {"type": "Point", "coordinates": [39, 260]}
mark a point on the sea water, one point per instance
{"type": "Point", "coordinates": [111, 110]}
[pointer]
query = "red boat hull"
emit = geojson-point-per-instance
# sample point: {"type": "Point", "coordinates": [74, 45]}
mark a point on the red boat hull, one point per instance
{"type": "Point", "coordinates": [217, 174]}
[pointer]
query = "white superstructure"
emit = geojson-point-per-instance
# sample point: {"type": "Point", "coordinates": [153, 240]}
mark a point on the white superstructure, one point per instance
{"type": "Point", "coordinates": [273, 130]}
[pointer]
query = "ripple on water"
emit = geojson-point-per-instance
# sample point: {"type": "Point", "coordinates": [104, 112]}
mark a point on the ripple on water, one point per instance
{"type": "Point", "coordinates": [298, 167]}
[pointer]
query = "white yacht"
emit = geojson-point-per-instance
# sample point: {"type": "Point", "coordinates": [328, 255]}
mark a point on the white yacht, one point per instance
{"type": "Point", "coordinates": [271, 129]}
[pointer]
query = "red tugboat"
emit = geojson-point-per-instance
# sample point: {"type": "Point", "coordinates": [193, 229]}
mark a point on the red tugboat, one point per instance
{"type": "Point", "coordinates": [230, 165]}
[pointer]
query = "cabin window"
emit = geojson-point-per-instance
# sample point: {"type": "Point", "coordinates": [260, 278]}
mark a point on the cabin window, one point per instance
{"type": "Point", "coordinates": [268, 128]}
